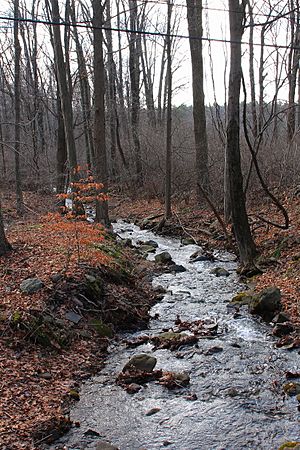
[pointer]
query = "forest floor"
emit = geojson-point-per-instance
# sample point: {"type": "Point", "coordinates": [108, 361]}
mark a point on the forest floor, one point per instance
{"type": "Point", "coordinates": [52, 339]}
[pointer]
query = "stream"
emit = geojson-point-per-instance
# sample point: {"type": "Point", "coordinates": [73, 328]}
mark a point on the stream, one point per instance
{"type": "Point", "coordinates": [234, 400]}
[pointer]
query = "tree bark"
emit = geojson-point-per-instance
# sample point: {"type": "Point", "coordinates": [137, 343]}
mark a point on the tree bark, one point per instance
{"type": "Point", "coordinates": [194, 16]}
{"type": "Point", "coordinates": [246, 246]}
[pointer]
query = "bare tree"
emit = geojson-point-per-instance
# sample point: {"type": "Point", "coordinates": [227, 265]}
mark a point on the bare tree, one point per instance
{"type": "Point", "coordinates": [194, 16]}
{"type": "Point", "coordinates": [246, 246]}
{"type": "Point", "coordinates": [17, 97]}
{"type": "Point", "coordinates": [99, 117]}
{"type": "Point", "coordinates": [168, 181]}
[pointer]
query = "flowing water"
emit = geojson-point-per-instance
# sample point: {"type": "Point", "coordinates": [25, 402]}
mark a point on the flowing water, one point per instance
{"type": "Point", "coordinates": [234, 400]}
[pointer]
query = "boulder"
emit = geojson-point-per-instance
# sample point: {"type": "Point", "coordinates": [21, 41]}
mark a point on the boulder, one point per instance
{"type": "Point", "coordinates": [220, 272]}
{"type": "Point", "coordinates": [142, 362]}
{"type": "Point", "coordinates": [31, 285]}
{"type": "Point", "coordinates": [266, 303]}
{"type": "Point", "coordinates": [163, 258]}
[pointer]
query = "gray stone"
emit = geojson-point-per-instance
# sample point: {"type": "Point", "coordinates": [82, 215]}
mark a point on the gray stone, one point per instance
{"type": "Point", "coordinates": [31, 285]}
{"type": "Point", "coordinates": [220, 272]}
{"type": "Point", "coordinates": [143, 362]}
{"type": "Point", "coordinates": [266, 303]}
{"type": "Point", "coordinates": [163, 258]}
{"type": "Point", "coordinates": [73, 317]}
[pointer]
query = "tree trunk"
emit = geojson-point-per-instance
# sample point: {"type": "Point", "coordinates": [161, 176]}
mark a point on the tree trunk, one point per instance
{"type": "Point", "coordinates": [61, 152]}
{"type": "Point", "coordinates": [246, 246]}
{"type": "Point", "coordinates": [99, 114]}
{"type": "Point", "coordinates": [294, 59]}
{"type": "Point", "coordinates": [134, 72]}
{"type": "Point", "coordinates": [65, 95]}
{"type": "Point", "coordinates": [84, 92]}
{"type": "Point", "coordinates": [17, 91]}
{"type": "Point", "coordinates": [5, 246]}
{"type": "Point", "coordinates": [194, 16]}
{"type": "Point", "coordinates": [168, 181]}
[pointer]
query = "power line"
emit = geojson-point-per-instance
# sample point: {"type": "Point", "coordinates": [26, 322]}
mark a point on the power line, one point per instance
{"type": "Point", "coordinates": [183, 5]}
{"type": "Point", "coordinates": [88, 25]}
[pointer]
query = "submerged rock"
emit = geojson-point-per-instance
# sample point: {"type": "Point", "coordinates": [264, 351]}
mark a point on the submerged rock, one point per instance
{"type": "Point", "coordinates": [142, 362]}
{"type": "Point", "coordinates": [266, 303]}
{"type": "Point", "coordinates": [177, 268]}
{"type": "Point", "coordinates": [291, 388]}
{"type": "Point", "coordinates": [31, 285]}
{"type": "Point", "coordinates": [105, 446]}
{"type": "Point", "coordinates": [220, 272]}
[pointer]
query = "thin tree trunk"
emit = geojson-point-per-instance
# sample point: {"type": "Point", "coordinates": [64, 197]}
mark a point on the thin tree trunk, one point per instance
{"type": "Point", "coordinates": [17, 91]}
{"type": "Point", "coordinates": [134, 71]}
{"type": "Point", "coordinates": [251, 73]}
{"type": "Point", "coordinates": [5, 246]}
{"type": "Point", "coordinates": [168, 181]}
{"type": "Point", "coordinates": [99, 117]}
{"type": "Point", "coordinates": [65, 95]}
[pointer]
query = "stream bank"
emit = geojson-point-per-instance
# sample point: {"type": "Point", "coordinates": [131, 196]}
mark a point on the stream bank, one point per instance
{"type": "Point", "coordinates": [234, 399]}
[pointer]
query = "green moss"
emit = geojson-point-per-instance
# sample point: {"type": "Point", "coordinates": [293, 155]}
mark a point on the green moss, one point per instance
{"type": "Point", "coordinates": [74, 394]}
{"type": "Point", "coordinates": [242, 298]}
{"type": "Point", "coordinates": [16, 317]}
